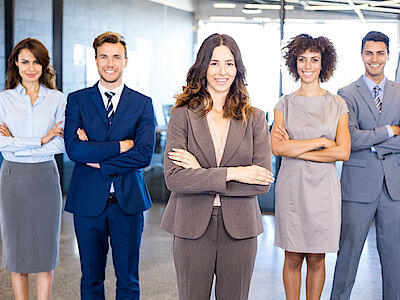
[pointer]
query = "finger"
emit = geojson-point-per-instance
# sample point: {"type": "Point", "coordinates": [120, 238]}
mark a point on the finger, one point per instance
{"type": "Point", "coordinates": [58, 124]}
{"type": "Point", "coordinates": [180, 164]}
{"type": "Point", "coordinates": [180, 150]}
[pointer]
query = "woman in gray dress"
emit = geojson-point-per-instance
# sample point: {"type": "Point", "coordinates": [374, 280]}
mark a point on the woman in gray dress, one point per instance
{"type": "Point", "coordinates": [311, 133]}
{"type": "Point", "coordinates": [31, 115]}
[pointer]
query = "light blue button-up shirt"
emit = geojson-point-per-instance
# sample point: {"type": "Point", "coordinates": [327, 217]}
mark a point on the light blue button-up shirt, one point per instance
{"type": "Point", "coordinates": [29, 123]}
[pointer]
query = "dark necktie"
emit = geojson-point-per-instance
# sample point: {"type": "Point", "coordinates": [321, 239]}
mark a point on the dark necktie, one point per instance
{"type": "Point", "coordinates": [378, 101]}
{"type": "Point", "coordinates": [109, 108]}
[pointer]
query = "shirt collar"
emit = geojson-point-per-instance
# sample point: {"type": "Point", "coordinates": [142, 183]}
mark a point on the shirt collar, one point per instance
{"type": "Point", "coordinates": [21, 90]}
{"type": "Point", "coordinates": [117, 90]}
{"type": "Point", "coordinates": [371, 84]}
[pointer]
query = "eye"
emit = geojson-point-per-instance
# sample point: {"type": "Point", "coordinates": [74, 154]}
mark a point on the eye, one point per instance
{"type": "Point", "coordinates": [213, 63]}
{"type": "Point", "coordinates": [230, 64]}
{"type": "Point", "coordinates": [315, 60]}
{"type": "Point", "coordinates": [36, 62]}
{"type": "Point", "coordinates": [301, 59]}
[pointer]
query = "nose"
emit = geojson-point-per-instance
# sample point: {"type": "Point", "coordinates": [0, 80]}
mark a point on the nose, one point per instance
{"type": "Point", "coordinates": [374, 57]}
{"type": "Point", "coordinates": [31, 67]}
{"type": "Point", "coordinates": [308, 63]}
{"type": "Point", "coordinates": [222, 70]}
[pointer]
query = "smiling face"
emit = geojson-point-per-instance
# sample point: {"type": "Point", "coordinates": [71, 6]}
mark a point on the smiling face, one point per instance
{"type": "Point", "coordinates": [309, 66]}
{"type": "Point", "coordinates": [374, 56]}
{"type": "Point", "coordinates": [221, 71]}
{"type": "Point", "coordinates": [29, 67]}
{"type": "Point", "coordinates": [111, 62]}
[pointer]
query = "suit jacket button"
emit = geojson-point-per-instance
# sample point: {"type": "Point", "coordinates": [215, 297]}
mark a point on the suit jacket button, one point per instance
{"type": "Point", "coordinates": [383, 158]}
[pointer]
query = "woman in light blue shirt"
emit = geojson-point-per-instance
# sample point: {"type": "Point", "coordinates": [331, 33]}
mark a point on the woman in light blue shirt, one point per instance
{"type": "Point", "coordinates": [31, 132]}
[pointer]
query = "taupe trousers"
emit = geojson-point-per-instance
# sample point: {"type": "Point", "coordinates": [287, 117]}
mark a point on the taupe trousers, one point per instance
{"type": "Point", "coordinates": [215, 252]}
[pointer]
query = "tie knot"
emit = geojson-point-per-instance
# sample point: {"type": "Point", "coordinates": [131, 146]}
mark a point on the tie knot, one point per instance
{"type": "Point", "coordinates": [376, 90]}
{"type": "Point", "coordinates": [109, 95]}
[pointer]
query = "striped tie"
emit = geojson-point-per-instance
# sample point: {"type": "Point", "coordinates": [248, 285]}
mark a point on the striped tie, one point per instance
{"type": "Point", "coordinates": [109, 108]}
{"type": "Point", "coordinates": [378, 101]}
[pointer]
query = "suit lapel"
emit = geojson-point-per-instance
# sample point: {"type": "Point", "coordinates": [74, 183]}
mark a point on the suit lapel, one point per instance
{"type": "Point", "coordinates": [237, 130]}
{"type": "Point", "coordinates": [388, 97]}
{"type": "Point", "coordinates": [203, 137]}
{"type": "Point", "coordinates": [367, 96]}
{"type": "Point", "coordinates": [98, 102]}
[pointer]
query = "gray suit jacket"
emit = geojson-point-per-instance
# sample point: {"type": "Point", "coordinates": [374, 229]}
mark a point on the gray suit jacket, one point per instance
{"type": "Point", "coordinates": [363, 173]}
{"type": "Point", "coordinates": [188, 211]}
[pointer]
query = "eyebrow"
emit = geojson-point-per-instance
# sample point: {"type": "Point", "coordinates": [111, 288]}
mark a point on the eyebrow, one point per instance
{"type": "Point", "coordinates": [301, 56]}
{"type": "Point", "coordinates": [225, 60]}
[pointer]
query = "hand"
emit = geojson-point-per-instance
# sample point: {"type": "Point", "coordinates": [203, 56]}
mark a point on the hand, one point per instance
{"type": "Point", "coordinates": [183, 158]}
{"type": "Point", "coordinates": [125, 145]}
{"type": "Point", "coordinates": [251, 174]}
{"type": "Point", "coordinates": [327, 143]}
{"type": "Point", "coordinates": [281, 133]}
{"type": "Point", "coordinates": [54, 131]}
{"type": "Point", "coordinates": [94, 165]}
{"type": "Point", "coordinates": [4, 131]}
{"type": "Point", "coordinates": [396, 129]}
{"type": "Point", "coordinates": [82, 134]}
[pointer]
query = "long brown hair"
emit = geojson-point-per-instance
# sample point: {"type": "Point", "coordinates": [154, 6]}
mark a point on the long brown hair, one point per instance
{"type": "Point", "coordinates": [195, 92]}
{"type": "Point", "coordinates": [48, 77]}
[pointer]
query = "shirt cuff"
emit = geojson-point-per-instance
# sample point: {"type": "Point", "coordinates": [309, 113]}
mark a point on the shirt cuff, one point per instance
{"type": "Point", "coordinates": [390, 131]}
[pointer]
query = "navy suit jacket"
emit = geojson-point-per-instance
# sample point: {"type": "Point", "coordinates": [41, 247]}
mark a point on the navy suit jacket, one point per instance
{"type": "Point", "coordinates": [133, 120]}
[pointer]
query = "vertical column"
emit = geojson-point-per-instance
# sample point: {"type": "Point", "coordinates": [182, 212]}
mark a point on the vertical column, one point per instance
{"type": "Point", "coordinates": [9, 28]}
{"type": "Point", "coordinates": [57, 64]}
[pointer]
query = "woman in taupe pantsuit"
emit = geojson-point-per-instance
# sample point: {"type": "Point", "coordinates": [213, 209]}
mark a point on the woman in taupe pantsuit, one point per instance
{"type": "Point", "coordinates": [217, 160]}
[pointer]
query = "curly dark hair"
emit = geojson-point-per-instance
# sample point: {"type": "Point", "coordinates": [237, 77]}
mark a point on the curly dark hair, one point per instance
{"type": "Point", "coordinates": [48, 77]}
{"type": "Point", "coordinates": [303, 42]}
{"type": "Point", "coordinates": [237, 104]}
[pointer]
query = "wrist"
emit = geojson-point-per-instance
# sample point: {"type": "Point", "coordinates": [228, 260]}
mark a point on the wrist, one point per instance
{"type": "Point", "coordinates": [231, 173]}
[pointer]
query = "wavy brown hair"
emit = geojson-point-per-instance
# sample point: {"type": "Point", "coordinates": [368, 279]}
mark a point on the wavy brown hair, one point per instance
{"type": "Point", "coordinates": [48, 77]}
{"type": "Point", "coordinates": [303, 42]}
{"type": "Point", "coordinates": [195, 94]}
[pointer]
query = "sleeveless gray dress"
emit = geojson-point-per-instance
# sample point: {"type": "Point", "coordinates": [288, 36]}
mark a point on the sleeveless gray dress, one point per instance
{"type": "Point", "coordinates": [308, 200]}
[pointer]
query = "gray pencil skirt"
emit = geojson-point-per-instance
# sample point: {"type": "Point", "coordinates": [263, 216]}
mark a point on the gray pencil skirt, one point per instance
{"type": "Point", "coordinates": [30, 216]}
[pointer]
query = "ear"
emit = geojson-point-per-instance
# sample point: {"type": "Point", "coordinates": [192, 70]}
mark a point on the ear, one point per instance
{"type": "Point", "coordinates": [126, 62]}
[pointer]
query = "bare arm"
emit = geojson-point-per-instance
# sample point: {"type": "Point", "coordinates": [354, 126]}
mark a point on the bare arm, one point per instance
{"type": "Point", "coordinates": [283, 146]}
{"type": "Point", "coordinates": [339, 152]}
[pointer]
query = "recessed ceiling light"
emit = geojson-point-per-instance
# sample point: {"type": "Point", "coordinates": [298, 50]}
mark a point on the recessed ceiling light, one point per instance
{"type": "Point", "coordinates": [224, 5]}
{"type": "Point", "coordinates": [251, 11]}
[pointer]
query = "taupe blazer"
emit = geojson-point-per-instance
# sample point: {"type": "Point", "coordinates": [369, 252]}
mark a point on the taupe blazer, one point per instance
{"type": "Point", "coordinates": [188, 211]}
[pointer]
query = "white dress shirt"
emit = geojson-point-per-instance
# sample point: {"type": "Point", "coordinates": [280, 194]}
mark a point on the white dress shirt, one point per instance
{"type": "Point", "coordinates": [115, 100]}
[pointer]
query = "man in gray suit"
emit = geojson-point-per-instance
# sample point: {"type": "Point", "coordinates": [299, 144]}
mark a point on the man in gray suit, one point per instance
{"type": "Point", "coordinates": [371, 177]}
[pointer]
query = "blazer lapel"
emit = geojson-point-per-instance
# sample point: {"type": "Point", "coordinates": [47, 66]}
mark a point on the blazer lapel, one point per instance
{"type": "Point", "coordinates": [98, 102]}
{"type": "Point", "coordinates": [366, 95]}
{"type": "Point", "coordinates": [388, 97]}
{"type": "Point", "coordinates": [237, 130]}
{"type": "Point", "coordinates": [201, 132]}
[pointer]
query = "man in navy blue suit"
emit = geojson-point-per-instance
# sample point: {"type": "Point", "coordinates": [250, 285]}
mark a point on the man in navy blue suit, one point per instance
{"type": "Point", "coordinates": [109, 134]}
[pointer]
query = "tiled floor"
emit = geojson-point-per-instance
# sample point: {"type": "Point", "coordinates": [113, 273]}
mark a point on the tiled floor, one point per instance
{"type": "Point", "coordinates": [158, 275]}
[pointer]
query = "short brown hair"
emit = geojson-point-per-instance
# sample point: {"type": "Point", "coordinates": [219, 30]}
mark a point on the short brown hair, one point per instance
{"type": "Point", "coordinates": [109, 37]}
{"type": "Point", "coordinates": [195, 92]}
{"type": "Point", "coordinates": [39, 51]}
{"type": "Point", "coordinates": [303, 42]}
